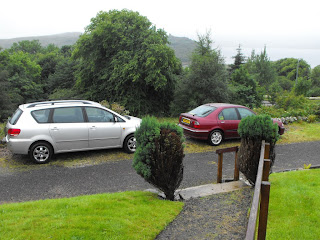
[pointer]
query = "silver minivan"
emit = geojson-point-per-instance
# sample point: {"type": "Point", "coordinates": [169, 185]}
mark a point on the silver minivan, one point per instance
{"type": "Point", "coordinates": [42, 129]}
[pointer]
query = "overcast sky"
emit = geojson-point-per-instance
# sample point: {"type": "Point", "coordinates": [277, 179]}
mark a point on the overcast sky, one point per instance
{"type": "Point", "coordinates": [251, 23]}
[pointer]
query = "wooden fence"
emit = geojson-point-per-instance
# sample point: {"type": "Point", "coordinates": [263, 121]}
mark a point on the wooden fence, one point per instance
{"type": "Point", "coordinates": [260, 197]}
{"type": "Point", "coordinates": [260, 202]}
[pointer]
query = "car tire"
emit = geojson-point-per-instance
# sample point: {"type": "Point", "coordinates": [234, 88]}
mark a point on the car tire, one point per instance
{"type": "Point", "coordinates": [129, 144]}
{"type": "Point", "coordinates": [41, 152]}
{"type": "Point", "coordinates": [215, 137]}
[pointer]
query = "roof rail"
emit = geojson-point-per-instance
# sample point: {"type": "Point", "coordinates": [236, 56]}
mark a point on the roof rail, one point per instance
{"type": "Point", "coordinates": [61, 101]}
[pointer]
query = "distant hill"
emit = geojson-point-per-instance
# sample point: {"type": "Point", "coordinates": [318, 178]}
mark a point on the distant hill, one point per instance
{"type": "Point", "coordinates": [57, 39]}
{"type": "Point", "coordinates": [182, 46]}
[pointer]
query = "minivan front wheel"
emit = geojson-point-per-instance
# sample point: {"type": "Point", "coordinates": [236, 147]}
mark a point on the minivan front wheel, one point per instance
{"type": "Point", "coordinates": [215, 137]}
{"type": "Point", "coordinates": [41, 152]}
{"type": "Point", "coordinates": [129, 144]}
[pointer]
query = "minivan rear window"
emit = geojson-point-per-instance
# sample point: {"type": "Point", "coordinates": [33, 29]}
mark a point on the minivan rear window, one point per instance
{"type": "Point", "coordinates": [41, 116]}
{"type": "Point", "coordinates": [202, 111]}
{"type": "Point", "coordinates": [15, 117]}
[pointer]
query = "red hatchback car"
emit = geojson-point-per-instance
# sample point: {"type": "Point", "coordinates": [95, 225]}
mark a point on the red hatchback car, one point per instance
{"type": "Point", "coordinates": [216, 121]}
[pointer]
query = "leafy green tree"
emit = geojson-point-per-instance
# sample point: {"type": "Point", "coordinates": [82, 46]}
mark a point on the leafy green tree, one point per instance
{"type": "Point", "coordinates": [26, 46]}
{"type": "Point", "coordinates": [315, 76]}
{"type": "Point", "coordinates": [285, 83]}
{"type": "Point", "coordinates": [123, 58]}
{"type": "Point", "coordinates": [23, 77]}
{"type": "Point", "coordinates": [5, 101]}
{"type": "Point", "coordinates": [244, 89]}
{"type": "Point", "coordinates": [63, 76]}
{"type": "Point", "coordinates": [261, 69]}
{"type": "Point", "coordinates": [303, 86]}
{"type": "Point", "coordinates": [315, 81]}
{"type": "Point", "coordinates": [287, 67]}
{"type": "Point", "coordinates": [205, 80]}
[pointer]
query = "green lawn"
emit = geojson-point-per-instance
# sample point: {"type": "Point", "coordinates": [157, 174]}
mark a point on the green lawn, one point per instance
{"type": "Point", "coordinates": [294, 210]}
{"type": "Point", "coordinates": [127, 215]}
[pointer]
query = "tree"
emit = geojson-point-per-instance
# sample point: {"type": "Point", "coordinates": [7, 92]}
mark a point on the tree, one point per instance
{"type": "Point", "coordinates": [239, 59]}
{"type": "Point", "coordinates": [5, 101]}
{"type": "Point", "coordinates": [315, 81]}
{"type": "Point", "coordinates": [23, 78]}
{"type": "Point", "coordinates": [205, 80]}
{"type": "Point", "coordinates": [26, 46]}
{"type": "Point", "coordinates": [159, 155]}
{"type": "Point", "coordinates": [288, 67]}
{"type": "Point", "coordinates": [261, 69]}
{"type": "Point", "coordinates": [123, 58]}
{"type": "Point", "coordinates": [244, 89]}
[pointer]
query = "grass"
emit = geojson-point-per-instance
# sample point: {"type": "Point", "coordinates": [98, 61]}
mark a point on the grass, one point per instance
{"type": "Point", "coordinates": [128, 215]}
{"type": "Point", "coordinates": [301, 132]}
{"type": "Point", "coordinates": [294, 210]}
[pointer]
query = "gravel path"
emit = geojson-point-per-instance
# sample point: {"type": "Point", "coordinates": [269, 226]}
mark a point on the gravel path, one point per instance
{"type": "Point", "coordinates": [219, 216]}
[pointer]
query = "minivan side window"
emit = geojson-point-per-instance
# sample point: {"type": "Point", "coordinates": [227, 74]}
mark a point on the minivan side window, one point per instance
{"type": "Point", "coordinates": [99, 115]}
{"type": "Point", "coordinates": [15, 117]}
{"type": "Point", "coordinates": [68, 115]}
{"type": "Point", "coordinates": [41, 116]}
{"type": "Point", "coordinates": [229, 114]}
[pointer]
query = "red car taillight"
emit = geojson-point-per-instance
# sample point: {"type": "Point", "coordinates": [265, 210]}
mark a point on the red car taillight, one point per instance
{"type": "Point", "coordinates": [14, 132]}
{"type": "Point", "coordinates": [196, 124]}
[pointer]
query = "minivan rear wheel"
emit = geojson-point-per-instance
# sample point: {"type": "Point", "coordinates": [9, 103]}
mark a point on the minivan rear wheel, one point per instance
{"type": "Point", "coordinates": [215, 137]}
{"type": "Point", "coordinates": [41, 152]}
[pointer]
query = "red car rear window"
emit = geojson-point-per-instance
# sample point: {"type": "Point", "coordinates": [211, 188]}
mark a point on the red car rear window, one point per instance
{"type": "Point", "coordinates": [202, 111]}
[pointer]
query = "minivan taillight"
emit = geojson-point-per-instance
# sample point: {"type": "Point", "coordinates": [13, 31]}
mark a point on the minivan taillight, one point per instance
{"type": "Point", "coordinates": [14, 131]}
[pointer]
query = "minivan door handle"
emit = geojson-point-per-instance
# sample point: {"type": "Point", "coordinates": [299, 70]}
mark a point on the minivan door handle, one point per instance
{"type": "Point", "coordinates": [55, 129]}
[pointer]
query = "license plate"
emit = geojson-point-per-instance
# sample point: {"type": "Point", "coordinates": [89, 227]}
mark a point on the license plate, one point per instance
{"type": "Point", "coordinates": [186, 121]}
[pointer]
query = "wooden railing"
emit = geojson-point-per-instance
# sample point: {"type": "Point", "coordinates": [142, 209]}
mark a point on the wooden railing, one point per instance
{"type": "Point", "coordinates": [220, 163]}
{"type": "Point", "coordinates": [261, 191]}
{"type": "Point", "coordinates": [261, 195]}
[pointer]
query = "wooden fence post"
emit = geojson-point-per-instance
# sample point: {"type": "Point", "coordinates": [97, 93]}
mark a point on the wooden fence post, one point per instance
{"type": "Point", "coordinates": [267, 151]}
{"type": "Point", "coordinates": [264, 206]}
{"type": "Point", "coordinates": [266, 170]}
{"type": "Point", "coordinates": [236, 169]}
{"type": "Point", "coordinates": [220, 161]}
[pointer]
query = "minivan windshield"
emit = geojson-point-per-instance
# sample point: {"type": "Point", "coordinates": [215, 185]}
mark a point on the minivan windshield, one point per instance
{"type": "Point", "coordinates": [202, 111]}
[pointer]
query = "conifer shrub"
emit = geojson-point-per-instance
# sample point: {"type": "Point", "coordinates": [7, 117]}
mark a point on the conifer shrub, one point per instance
{"type": "Point", "coordinates": [252, 130]}
{"type": "Point", "coordinates": [159, 155]}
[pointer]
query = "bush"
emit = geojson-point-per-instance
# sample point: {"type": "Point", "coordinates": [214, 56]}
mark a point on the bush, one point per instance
{"type": "Point", "coordinates": [115, 107]}
{"type": "Point", "coordinates": [253, 130]}
{"type": "Point", "coordinates": [159, 155]}
{"type": "Point", "coordinates": [289, 100]}
{"type": "Point", "coordinates": [258, 127]}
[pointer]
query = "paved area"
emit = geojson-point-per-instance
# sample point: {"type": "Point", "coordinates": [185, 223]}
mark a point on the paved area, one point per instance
{"type": "Point", "coordinates": [200, 169]}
